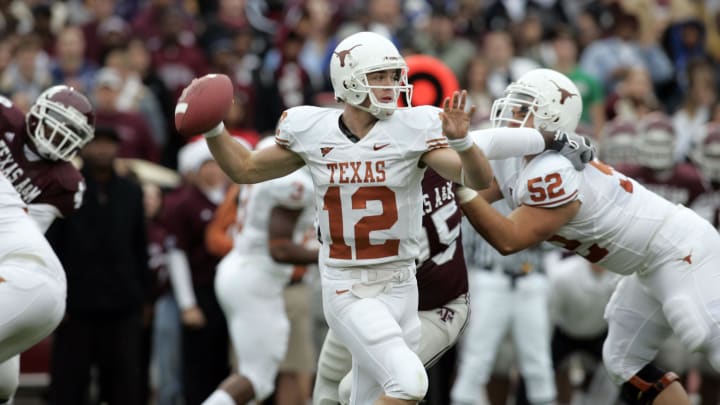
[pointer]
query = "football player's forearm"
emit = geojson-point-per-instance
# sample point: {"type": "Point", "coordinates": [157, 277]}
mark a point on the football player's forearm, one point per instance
{"type": "Point", "coordinates": [503, 143]}
{"type": "Point", "coordinates": [287, 251]}
{"type": "Point", "coordinates": [231, 156]}
{"type": "Point", "coordinates": [476, 170]}
{"type": "Point", "coordinates": [494, 227]}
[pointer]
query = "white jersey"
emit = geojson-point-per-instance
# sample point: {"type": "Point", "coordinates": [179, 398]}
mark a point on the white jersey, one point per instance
{"type": "Point", "coordinates": [368, 193]}
{"type": "Point", "coordinates": [294, 191]}
{"type": "Point", "coordinates": [8, 196]}
{"type": "Point", "coordinates": [617, 219]}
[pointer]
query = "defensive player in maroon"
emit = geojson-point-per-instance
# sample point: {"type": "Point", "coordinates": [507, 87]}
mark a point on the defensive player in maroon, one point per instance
{"type": "Point", "coordinates": [678, 182]}
{"type": "Point", "coordinates": [36, 149]}
{"type": "Point", "coordinates": [442, 284]}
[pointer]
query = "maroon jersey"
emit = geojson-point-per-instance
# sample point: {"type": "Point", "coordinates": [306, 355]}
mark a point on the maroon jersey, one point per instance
{"type": "Point", "coordinates": [136, 140]}
{"type": "Point", "coordinates": [680, 186]}
{"type": "Point", "coordinates": [186, 214]}
{"type": "Point", "coordinates": [442, 273]}
{"type": "Point", "coordinates": [38, 181]}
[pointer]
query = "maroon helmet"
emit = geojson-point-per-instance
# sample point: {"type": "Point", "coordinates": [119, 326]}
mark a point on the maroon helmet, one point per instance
{"type": "Point", "coordinates": [60, 122]}
{"type": "Point", "coordinates": [656, 142]}
{"type": "Point", "coordinates": [708, 153]}
{"type": "Point", "coordinates": [618, 142]}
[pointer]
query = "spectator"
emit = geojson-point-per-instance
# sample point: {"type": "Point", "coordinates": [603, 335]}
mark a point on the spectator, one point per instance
{"type": "Point", "coordinates": [205, 342]}
{"type": "Point", "coordinates": [679, 182]}
{"type": "Point", "coordinates": [175, 55]}
{"type": "Point", "coordinates": [100, 12]}
{"type": "Point", "coordinates": [633, 97]}
{"type": "Point", "coordinates": [609, 59]}
{"type": "Point", "coordinates": [441, 41]}
{"type": "Point", "coordinates": [149, 23]}
{"type": "Point", "coordinates": [135, 97]}
{"type": "Point", "coordinates": [136, 140]}
{"type": "Point", "coordinates": [690, 119]}
{"type": "Point", "coordinates": [103, 248]}
{"type": "Point", "coordinates": [28, 73]}
{"type": "Point", "coordinates": [476, 83]}
{"type": "Point", "coordinates": [505, 67]}
{"type": "Point", "coordinates": [70, 66]}
{"type": "Point", "coordinates": [566, 61]}
{"type": "Point", "coordinates": [140, 61]}
{"type": "Point", "coordinates": [316, 25]}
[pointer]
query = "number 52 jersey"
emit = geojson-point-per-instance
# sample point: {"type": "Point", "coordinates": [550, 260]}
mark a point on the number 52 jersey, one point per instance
{"type": "Point", "coordinates": [618, 217]}
{"type": "Point", "coordinates": [368, 194]}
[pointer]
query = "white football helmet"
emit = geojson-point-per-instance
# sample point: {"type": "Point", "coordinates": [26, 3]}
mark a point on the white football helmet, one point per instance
{"type": "Point", "coordinates": [358, 55]}
{"type": "Point", "coordinates": [656, 142]}
{"type": "Point", "coordinates": [549, 96]}
{"type": "Point", "coordinates": [60, 122]}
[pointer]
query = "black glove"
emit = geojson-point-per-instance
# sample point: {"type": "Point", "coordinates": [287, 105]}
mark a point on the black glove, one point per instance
{"type": "Point", "coordinates": [578, 149]}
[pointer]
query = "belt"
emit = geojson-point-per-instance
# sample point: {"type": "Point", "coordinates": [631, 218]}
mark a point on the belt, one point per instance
{"type": "Point", "coordinates": [512, 274]}
{"type": "Point", "coordinates": [381, 276]}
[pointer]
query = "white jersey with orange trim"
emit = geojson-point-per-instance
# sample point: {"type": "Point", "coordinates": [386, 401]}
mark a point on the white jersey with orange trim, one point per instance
{"type": "Point", "coordinates": [617, 219]}
{"type": "Point", "coordinates": [8, 196]}
{"type": "Point", "coordinates": [294, 191]}
{"type": "Point", "coordinates": [368, 193]}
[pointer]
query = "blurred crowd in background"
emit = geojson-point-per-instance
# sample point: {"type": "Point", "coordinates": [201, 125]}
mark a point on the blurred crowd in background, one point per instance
{"type": "Point", "coordinates": [648, 72]}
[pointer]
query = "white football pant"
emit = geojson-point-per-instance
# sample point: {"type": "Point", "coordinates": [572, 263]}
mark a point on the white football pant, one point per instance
{"type": "Point", "coordinates": [381, 330]}
{"type": "Point", "coordinates": [32, 292]}
{"type": "Point", "coordinates": [251, 297]}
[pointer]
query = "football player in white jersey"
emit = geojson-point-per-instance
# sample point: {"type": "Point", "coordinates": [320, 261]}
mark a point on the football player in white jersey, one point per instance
{"type": "Point", "coordinates": [32, 286]}
{"type": "Point", "coordinates": [276, 215]}
{"type": "Point", "coordinates": [366, 162]}
{"type": "Point", "coordinates": [669, 254]}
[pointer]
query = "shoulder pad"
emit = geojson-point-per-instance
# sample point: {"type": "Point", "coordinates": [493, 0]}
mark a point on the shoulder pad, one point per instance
{"type": "Point", "coordinates": [298, 119]}
{"type": "Point", "coordinates": [420, 117]}
{"type": "Point", "coordinates": [549, 180]}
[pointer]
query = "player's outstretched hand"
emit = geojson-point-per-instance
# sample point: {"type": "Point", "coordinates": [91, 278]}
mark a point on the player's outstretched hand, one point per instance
{"type": "Point", "coordinates": [578, 149]}
{"type": "Point", "coordinates": [455, 120]}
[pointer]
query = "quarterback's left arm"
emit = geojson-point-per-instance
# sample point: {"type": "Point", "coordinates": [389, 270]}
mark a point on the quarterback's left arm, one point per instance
{"type": "Point", "coordinates": [464, 163]}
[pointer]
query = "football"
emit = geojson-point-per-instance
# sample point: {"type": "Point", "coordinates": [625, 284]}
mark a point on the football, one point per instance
{"type": "Point", "coordinates": [203, 104]}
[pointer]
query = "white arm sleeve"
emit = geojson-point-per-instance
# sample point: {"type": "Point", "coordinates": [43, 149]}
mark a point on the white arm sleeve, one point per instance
{"type": "Point", "coordinates": [43, 215]}
{"type": "Point", "coordinates": [503, 143]}
{"type": "Point", "coordinates": [182, 284]}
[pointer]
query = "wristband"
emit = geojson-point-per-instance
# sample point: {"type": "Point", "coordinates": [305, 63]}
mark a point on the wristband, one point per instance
{"type": "Point", "coordinates": [462, 144]}
{"type": "Point", "coordinates": [215, 131]}
{"type": "Point", "coordinates": [465, 194]}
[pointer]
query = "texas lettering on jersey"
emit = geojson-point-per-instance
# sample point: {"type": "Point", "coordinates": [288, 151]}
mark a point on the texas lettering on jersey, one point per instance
{"type": "Point", "coordinates": [357, 172]}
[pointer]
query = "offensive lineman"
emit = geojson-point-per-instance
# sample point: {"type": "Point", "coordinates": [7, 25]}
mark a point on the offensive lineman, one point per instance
{"type": "Point", "coordinates": [668, 253]}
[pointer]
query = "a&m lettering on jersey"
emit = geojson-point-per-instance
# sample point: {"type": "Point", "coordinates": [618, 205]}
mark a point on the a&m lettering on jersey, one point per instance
{"type": "Point", "coordinates": [15, 174]}
{"type": "Point", "coordinates": [437, 197]}
{"type": "Point", "coordinates": [357, 172]}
